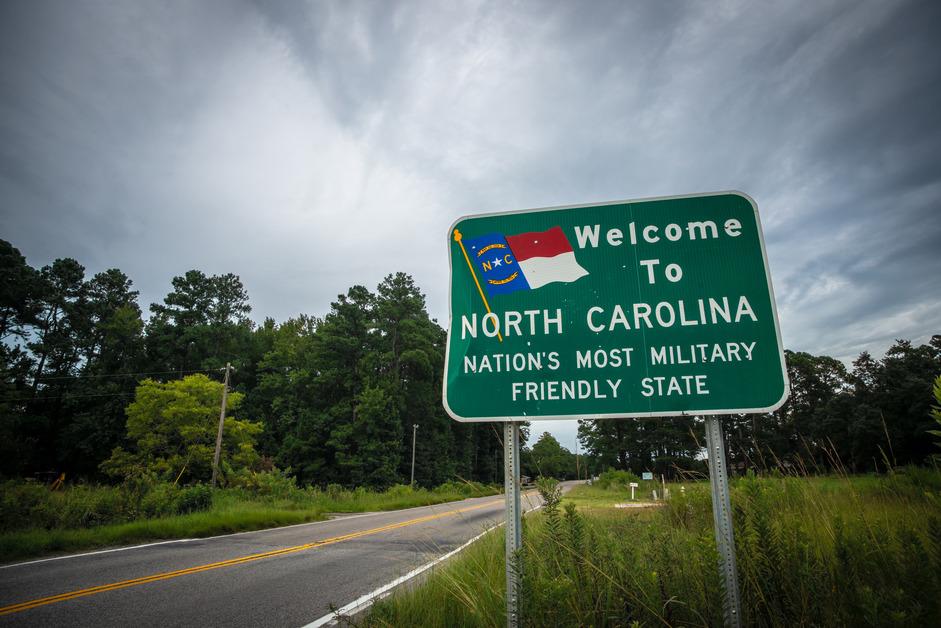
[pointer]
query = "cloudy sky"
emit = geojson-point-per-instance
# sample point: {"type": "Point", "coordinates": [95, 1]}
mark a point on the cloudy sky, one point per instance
{"type": "Point", "coordinates": [310, 146]}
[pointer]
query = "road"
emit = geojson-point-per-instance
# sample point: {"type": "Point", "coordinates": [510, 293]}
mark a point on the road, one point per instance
{"type": "Point", "coordinates": [287, 576]}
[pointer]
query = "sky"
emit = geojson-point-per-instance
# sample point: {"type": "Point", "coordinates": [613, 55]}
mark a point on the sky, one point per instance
{"type": "Point", "coordinates": [308, 147]}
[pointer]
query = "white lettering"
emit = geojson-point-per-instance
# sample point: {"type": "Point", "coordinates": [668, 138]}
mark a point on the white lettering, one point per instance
{"type": "Point", "coordinates": [692, 226]}
{"type": "Point", "coordinates": [591, 312]}
{"type": "Point", "coordinates": [649, 265]}
{"type": "Point", "coordinates": [587, 235]}
{"type": "Point", "coordinates": [744, 309]}
{"type": "Point", "coordinates": [614, 237]}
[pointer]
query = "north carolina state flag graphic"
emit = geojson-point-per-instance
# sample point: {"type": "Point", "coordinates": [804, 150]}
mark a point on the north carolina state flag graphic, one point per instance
{"type": "Point", "coordinates": [525, 261]}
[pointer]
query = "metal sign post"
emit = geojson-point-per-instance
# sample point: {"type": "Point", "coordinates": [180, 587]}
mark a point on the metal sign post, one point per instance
{"type": "Point", "coordinates": [722, 514]}
{"type": "Point", "coordinates": [511, 480]}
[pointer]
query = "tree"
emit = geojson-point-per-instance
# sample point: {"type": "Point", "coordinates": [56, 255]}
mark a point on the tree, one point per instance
{"type": "Point", "coordinates": [550, 459]}
{"type": "Point", "coordinates": [172, 427]}
{"type": "Point", "coordinates": [201, 324]}
{"type": "Point", "coordinates": [936, 413]}
{"type": "Point", "coordinates": [113, 351]}
{"type": "Point", "coordinates": [19, 293]}
{"type": "Point", "coordinates": [662, 444]}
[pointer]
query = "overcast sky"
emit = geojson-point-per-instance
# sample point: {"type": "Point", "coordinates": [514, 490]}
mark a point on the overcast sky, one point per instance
{"type": "Point", "coordinates": [308, 147]}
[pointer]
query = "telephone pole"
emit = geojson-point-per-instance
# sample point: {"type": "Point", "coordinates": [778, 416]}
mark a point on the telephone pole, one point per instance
{"type": "Point", "coordinates": [225, 395]}
{"type": "Point", "coordinates": [577, 474]}
{"type": "Point", "coordinates": [414, 430]}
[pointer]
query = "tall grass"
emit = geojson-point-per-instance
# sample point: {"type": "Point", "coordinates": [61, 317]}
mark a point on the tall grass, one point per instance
{"type": "Point", "coordinates": [833, 551]}
{"type": "Point", "coordinates": [36, 521]}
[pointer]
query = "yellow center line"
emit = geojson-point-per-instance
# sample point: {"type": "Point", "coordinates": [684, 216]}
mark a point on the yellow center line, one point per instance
{"type": "Point", "coordinates": [123, 584]}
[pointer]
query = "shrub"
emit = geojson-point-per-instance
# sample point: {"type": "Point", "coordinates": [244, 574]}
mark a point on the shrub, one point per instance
{"type": "Point", "coordinates": [159, 501]}
{"type": "Point", "coordinates": [194, 498]}
{"type": "Point", "coordinates": [24, 505]}
{"type": "Point", "coordinates": [399, 490]}
{"type": "Point", "coordinates": [615, 479]}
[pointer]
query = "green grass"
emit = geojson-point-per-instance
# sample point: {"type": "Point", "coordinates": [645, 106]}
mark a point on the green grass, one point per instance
{"type": "Point", "coordinates": [830, 551]}
{"type": "Point", "coordinates": [38, 522]}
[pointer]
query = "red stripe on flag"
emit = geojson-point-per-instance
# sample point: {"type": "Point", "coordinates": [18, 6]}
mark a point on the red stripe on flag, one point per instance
{"type": "Point", "coordinates": [539, 244]}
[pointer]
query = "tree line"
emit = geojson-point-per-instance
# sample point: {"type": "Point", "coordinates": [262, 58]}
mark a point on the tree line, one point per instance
{"type": "Point", "coordinates": [873, 416]}
{"type": "Point", "coordinates": [336, 398]}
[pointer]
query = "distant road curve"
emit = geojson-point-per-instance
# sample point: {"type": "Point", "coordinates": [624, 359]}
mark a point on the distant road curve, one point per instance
{"type": "Point", "coordinates": [288, 576]}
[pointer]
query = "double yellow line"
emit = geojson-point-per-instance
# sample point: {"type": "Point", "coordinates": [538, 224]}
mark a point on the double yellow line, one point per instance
{"type": "Point", "coordinates": [123, 584]}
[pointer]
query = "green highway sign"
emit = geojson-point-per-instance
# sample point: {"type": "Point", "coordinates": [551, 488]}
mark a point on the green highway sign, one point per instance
{"type": "Point", "coordinates": [654, 307]}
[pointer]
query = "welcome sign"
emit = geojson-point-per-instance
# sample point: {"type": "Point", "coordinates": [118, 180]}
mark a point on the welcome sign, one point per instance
{"type": "Point", "coordinates": [656, 307]}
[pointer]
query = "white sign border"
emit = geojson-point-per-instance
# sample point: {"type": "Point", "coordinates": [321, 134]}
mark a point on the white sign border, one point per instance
{"type": "Point", "coordinates": [625, 415]}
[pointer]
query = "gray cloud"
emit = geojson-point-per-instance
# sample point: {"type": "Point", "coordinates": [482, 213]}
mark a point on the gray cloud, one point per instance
{"type": "Point", "coordinates": [308, 147]}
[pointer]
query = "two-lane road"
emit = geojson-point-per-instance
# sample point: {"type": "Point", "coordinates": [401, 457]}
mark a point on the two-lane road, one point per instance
{"type": "Point", "coordinates": [279, 577]}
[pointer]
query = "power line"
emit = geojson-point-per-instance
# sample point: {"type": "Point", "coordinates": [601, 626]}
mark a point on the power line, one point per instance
{"type": "Point", "coordinates": [66, 396]}
{"type": "Point", "coordinates": [123, 394]}
{"type": "Point", "coordinates": [44, 378]}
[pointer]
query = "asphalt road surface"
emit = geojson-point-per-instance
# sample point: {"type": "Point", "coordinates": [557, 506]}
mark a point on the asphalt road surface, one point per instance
{"type": "Point", "coordinates": [288, 576]}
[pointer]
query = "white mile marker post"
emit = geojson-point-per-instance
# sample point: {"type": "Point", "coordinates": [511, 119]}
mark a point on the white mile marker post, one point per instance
{"type": "Point", "coordinates": [511, 481]}
{"type": "Point", "coordinates": [722, 514]}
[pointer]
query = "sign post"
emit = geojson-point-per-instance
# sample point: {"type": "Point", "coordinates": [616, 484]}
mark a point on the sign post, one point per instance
{"type": "Point", "coordinates": [511, 483]}
{"type": "Point", "coordinates": [722, 515]}
{"type": "Point", "coordinates": [628, 309]}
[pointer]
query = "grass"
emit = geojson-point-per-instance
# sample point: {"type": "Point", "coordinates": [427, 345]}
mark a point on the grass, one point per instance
{"type": "Point", "coordinates": [813, 551]}
{"type": "Point", "coordinates": [38, 522]}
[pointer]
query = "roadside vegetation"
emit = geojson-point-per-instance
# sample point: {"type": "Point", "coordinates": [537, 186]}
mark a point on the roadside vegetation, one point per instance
{"type": "Point", "coordinates": [826, 551]}
{"type": "Point", "coordinates": [36, 521]}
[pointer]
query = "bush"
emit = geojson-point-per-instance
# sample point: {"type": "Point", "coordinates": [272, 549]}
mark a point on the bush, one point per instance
{"type": "Point", "coordinates": [399, 490]}
{"type": "Point", "coordinates": [194, 498]}
{"type": "Point", "coordinates": [615, 479]}
{"type": "Point", "coordinates": [464, 487]}
{"type": "Point", "coordinates": [24, 505]}
{"type": "Point", "coordinates": [274, 484]}
{"type": "Point", "coordinates": [159, 501]}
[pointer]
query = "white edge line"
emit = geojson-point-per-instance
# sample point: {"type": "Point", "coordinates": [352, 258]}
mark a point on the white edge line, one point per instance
{"type": "Point", "coordinates": [106, 551]}
{"type": "Point", "coordinates": [365, 601]}
{"type": "Point", "coordinates": [222, 536]}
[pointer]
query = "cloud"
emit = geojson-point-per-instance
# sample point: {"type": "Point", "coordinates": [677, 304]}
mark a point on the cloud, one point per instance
{"type": "Point", "coordinates": [309, 147]}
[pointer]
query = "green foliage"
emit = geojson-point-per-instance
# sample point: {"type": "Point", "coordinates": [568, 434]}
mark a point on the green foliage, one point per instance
{"type": "Point", "coordinates": [548, 458]}
{"type": "Point", "coordinates": [173, 429]}
{"type": "Point", "coordinates": [615, 479]}
{"type": "Point", "coordinates": [831, 551]}
{"type": "Point", "coordinates": [35, 520]}
{"type": "Point", "coordinates": [936, 412]}
{"type": "Point", "coordinates": [28, 505]}
{"type": "Point", "coordinates": [337, 397]}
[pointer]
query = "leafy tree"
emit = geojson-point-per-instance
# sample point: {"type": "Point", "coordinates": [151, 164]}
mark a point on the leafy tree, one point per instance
{"type": "Point", "coordinates": [201, 324]}
{"type": "Point", "coordinates": [662, 444]}
{"type": "Point", "coordinates": [19, 293]}
{"type": "Point", "coordinates": [172, 429]}
{"type": "Point", "coordinates": [548, 458]}
{"type": "Point", "coordinates": [113, 351]}
{"type": "Point", "coordinates": [936, 412]}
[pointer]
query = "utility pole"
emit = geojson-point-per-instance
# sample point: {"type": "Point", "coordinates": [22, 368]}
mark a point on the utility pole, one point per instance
{"type": "Point", "coordinates": [577, 474]}
{"type": "Point", "coordinates": [225, 395]}
{"type": "Point", "coordinates": [414, 430]}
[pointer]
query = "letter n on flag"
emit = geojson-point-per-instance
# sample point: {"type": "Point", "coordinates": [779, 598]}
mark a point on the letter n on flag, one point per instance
{"type": "Point", "coordinates": [525, 261]}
